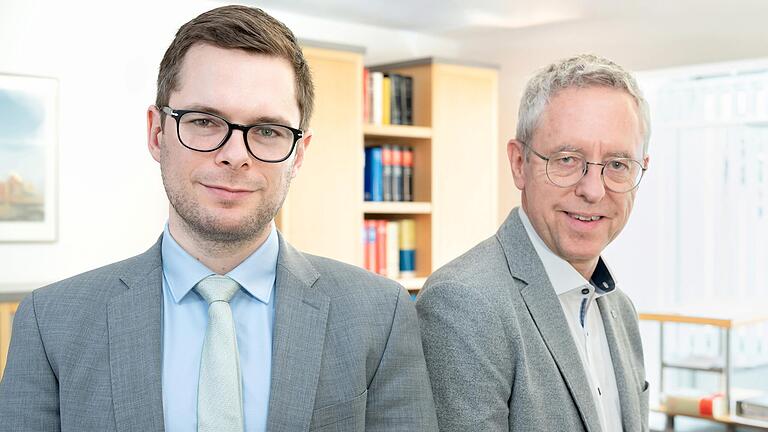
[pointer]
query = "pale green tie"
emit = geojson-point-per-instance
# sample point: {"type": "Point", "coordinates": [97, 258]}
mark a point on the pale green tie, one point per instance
{"type": "Point", "coordinates": [219, 392]}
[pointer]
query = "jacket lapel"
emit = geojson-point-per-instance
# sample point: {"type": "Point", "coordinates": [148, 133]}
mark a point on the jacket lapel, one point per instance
{"type": "Point", "coordinates": [629, 398]}
{"type": "Point", "coordinates": [135, 335]}
{"type": "Point", "coordinates": [301, 312]}
{"type": "Point", "coordinates": [543, 305]}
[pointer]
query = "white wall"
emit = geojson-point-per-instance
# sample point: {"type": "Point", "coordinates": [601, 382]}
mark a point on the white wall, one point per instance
{"type": "Point", "coordinates": [662, 39]}
{"type": "Point", "coordinates": [105, 56]}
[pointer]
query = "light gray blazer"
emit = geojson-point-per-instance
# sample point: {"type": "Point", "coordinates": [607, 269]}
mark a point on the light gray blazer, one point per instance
{"type": "Point", "coordinates": [499, 350]}
{"type": "Point", "coordinates": [85, 353]}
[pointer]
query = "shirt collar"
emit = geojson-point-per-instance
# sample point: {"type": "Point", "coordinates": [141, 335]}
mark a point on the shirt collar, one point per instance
{"type": "Point", "coordinates": [256, 274]}
{"type": "Point", "coordinates": [562, 275]}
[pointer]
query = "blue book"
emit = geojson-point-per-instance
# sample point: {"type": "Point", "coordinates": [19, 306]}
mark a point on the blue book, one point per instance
{"type": "Point", "coordinates": [367, 190]}
{"type": "Point", "coordinates": [374, 190]}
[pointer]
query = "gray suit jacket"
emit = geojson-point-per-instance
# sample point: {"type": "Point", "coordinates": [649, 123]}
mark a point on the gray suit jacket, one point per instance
{"type": "Point", "coordinates": [86, 355]}
{"type": "Point", "coordinates": [499, 350]}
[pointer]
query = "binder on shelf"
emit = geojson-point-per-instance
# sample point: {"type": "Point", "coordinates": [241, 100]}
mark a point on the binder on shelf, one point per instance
{"type": "Point", "coordinates": [386, 100]}
{"type": "Point", "coordinates": [377, 89]}
{"type": "Point", "coordinates": [373, 187]}
{"type": "Point", "coordinates": [396, 99]}
{"type": "Point", "coordinates": [407, 248]}
{"type": "Point", "coordinates": [393, 249]}
{"type": "Point", "coordinates": [407, 182]}
{"type": "Point", "coordinates": [381, 247]}
{"type": "Point", "coordinates": [407, 110]}
{"type": "Point", "coordinates": [369, 247]}
{"type": "Point", "coordinates": [397, 174]}
{"type": "Point", "coordinates": [386, 173]}
{"type": "Point", "coordinates": [366, 95]}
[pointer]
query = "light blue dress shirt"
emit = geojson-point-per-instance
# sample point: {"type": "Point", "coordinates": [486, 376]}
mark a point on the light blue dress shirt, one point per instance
{"type": "Point", "coordinates": [185, 318]}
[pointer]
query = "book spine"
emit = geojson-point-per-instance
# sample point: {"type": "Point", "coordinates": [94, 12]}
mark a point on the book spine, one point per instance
{"type": "Point", "coordinates": [386, 100]}
{"type": "Point", "coordinates": [386, 173]}
{"type": "Point", "coordinates": [407, 183]}
{"type": "Point", "coordinates": [381, 247]}
{"type": "Point", "coordinates": [408, 100]}
{"type": "Point", "coordinates": [407, 248]}
{"type": "Point", "coordinates": [393, 249]}
{"type": "Point", "coordinates": [377, 84]}
{"type": "Point", "coordinates": [397, 174]}
{"type": "Point", "coordinates": [370, 245]}
{"type": "Point", "coordinates": [368, 175]}
{"type": "Point", "coordinates": [395, 98]}
{"type": "Point", "coordinates": [366, 95]}
{"type": "Point", "coordinates": [377, 191]}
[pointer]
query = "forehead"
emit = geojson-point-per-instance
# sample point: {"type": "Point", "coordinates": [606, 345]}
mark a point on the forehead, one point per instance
{"type": "Point", "coordinates": [594, 120]}
{"type": "Point", "coordinates": [237, 83]}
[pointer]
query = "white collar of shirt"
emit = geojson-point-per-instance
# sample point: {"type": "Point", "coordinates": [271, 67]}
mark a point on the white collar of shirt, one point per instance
{"type": "Point", "coordinates": [562, 275]}
{"type": "Point", "coordinates": [256, 274]}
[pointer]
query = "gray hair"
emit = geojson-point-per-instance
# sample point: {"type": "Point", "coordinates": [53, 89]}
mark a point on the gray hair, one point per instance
{"type": "Point", "coordinates": [586, 70]}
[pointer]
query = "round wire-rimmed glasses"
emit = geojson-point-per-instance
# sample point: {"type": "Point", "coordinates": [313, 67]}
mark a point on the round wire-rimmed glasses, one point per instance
{"type": "Point", "coordinates": [206, 132]}
{"type": "Point", "coordinates": [565, 169]}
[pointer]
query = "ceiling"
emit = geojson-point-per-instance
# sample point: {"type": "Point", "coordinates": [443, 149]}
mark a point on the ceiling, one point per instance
{"type": "Point", "coordinates": [455, 17]}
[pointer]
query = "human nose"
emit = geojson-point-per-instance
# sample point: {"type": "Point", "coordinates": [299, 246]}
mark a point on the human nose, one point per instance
{"type": "Point", "coordinates": [591, 187]}
{"type": "Point", "coordinates": [234, 152]}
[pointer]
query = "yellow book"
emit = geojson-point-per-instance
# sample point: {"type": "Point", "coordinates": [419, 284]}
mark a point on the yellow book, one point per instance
{"type": "Point", "coordinates": [386, 100]}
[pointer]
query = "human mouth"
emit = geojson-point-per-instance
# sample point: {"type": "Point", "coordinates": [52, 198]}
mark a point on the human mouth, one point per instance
{"type": "Point", "coordinates": [227, 192]}
{"type": "Point", "coordinates": [584, 217]}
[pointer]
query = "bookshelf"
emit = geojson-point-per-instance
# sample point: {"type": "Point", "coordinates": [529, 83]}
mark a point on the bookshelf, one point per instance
{"type": "Point", "coordinates": [454, 138]}
{"type": "Point", "coordinates": [455, 146]}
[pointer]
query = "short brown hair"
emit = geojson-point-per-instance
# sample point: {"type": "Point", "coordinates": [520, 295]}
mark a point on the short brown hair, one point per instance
{"type": "Point", "coordinates": [238, 27]}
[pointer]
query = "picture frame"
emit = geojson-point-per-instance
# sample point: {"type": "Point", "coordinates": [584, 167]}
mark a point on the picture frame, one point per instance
{"type": "Point", "coordinates": [28, 143]}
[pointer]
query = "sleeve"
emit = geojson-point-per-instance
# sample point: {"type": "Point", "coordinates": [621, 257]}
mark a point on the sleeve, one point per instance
{"type": "Point", "coordinates": [29, 390]}
{"type": "Point", "coordinates": [400, 396]}
{"type": "Point", "coordinates": [468, 357]}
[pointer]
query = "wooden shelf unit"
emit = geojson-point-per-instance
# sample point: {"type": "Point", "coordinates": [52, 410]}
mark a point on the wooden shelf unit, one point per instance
{"type": "Point", "coordinates": [455, 181]}
{"type": "Point", "coordinates": [726, 320]}
{"type": "Point", "coordinates": [454, 172]}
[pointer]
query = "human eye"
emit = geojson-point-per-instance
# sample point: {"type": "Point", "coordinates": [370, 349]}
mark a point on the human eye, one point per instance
{"type": "Point", "coordinates": [202, 121]}
{"type": "Point", "coordinates": [271, 132]}
{"type": "Point", "coordinates": [566, 160]}
{"type": "Point", "coordinates": [618, 165]}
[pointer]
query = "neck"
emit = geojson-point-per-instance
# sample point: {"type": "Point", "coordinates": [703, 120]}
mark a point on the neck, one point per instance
{"type": "Point", "coordinates": [586, 268]}
{"type": "Point", "coordinates": [221, 257]}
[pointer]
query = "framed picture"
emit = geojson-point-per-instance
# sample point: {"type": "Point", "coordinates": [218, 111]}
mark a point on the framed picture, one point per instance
{"type": "Point", "coordinates": [27, 158]}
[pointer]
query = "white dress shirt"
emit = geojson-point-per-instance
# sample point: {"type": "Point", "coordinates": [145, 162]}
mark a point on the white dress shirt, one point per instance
{"type": "Point", "coordinates": [578, 299]}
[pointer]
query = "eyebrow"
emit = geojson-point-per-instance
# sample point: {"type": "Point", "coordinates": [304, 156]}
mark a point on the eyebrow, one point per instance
{"type": "Point", "coordinates": [613, 155]}
{"type": "Point", "coordinates": [256, 120]}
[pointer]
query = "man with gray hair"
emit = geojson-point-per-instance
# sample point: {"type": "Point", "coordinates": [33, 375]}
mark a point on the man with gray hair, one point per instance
{"type": "Point", "coordinates": [528, 331]}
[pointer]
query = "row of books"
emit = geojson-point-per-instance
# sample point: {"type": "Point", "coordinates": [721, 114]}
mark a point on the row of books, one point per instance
{"type": "Point", "coordinates": [390, 247]}
{"type": "Point", "coordinates": [387, 98]}
{"type": "Point", "coordinates": [388, 173]}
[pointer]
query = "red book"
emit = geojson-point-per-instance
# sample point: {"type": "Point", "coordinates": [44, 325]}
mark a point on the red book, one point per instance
{"type": "Point", "coordinates": [407, 182]}
{"type": "Point", "coordinates": [369, 246]}
{"type": "Point", "coordinates": [366, 96]}
{"type": "Point", "coordinates": [381, 247]}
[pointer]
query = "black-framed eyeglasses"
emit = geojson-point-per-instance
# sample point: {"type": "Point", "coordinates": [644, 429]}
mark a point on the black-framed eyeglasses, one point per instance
{"type": "Point", "coordinates": [206, 132]}
{"type": "Point", "coordinates": [565, 169]}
